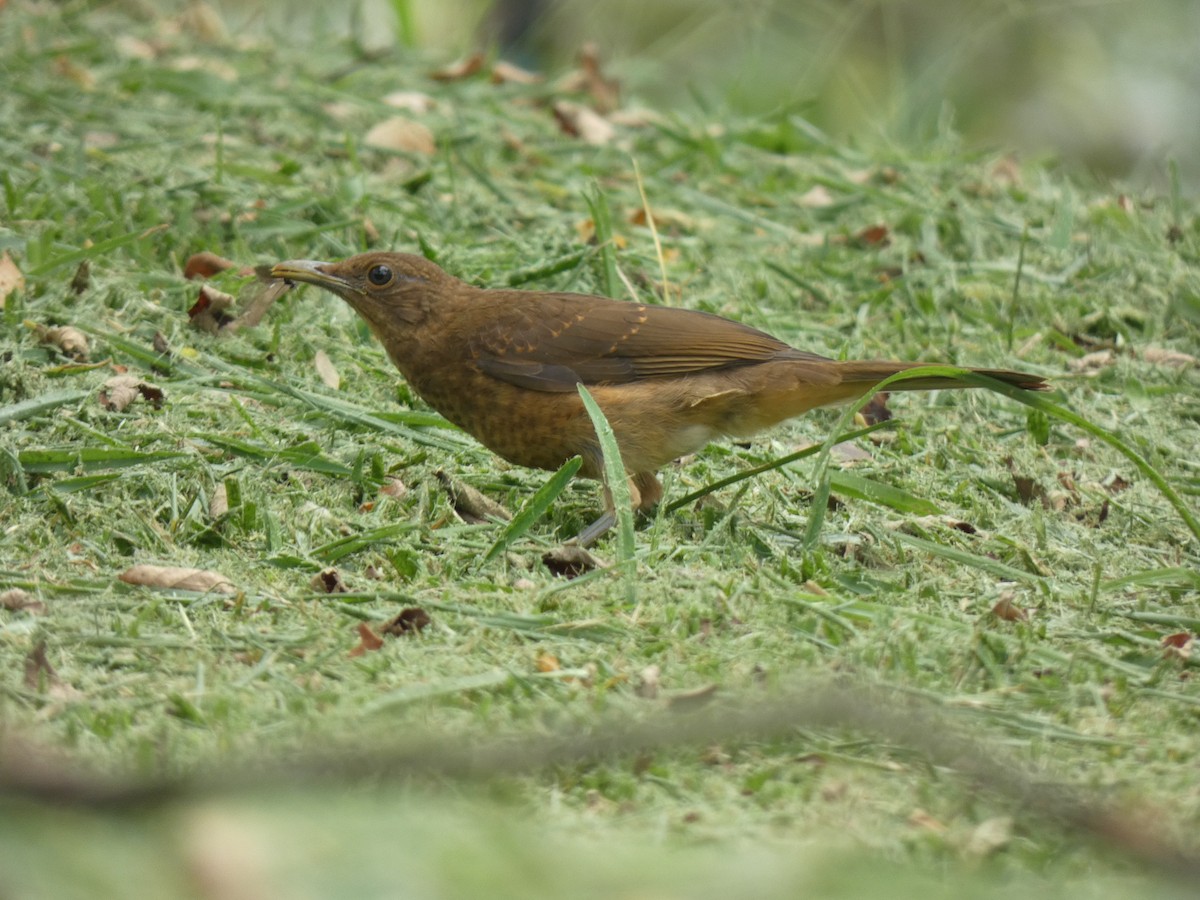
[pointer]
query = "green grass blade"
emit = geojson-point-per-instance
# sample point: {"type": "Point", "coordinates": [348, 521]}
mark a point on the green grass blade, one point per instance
{"type": "Point", "coordinates": [618, 486]}
{"type": "Point", "coordinates": [535, 507]}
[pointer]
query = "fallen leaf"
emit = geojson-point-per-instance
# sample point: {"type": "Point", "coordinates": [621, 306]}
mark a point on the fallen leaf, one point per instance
{"type": "Point", "coordinates": [218, 504]}
{"type": "Point", "coordinates": [367, 640]}
{"type": "Point", "coordinates": [547, 662]}
{"type": "Point", "coordinates": [207, 264]}
{"type": "Point", "coordinates": [1114, 484]}
{"type": "Point", "coordinates": [328, 581]}
{"type": "Point", "coordinates": [456, 71]}
{"type": "Point", "coordinates": [411, 620]}
{"type": "Point", "coordinates": [876, 410]}
{"type": "Point", "coordinates": [120, 391]}
{"type": "Point", "coordinates": [664, 219]}
{"type": "Point", "coordinates": [1093, 362]}
{"type": "Point", "coordinates": [1178, 646]}
{"type": "Point", "coordinates": [11, 278]}
{"type": "Point", "coordinates": [393, 487]}
{"type": "Point", "coordinates": [473, 506]}
{"type": "Point", "coordinates": [586, 124]}
{"type": "Point", "coordinates": [874, 236]}
{"type": "Point", "coordinates": [82, 280]}
{"type": "Point", "coordinates": [402, 135]}
{"type": "Point", "coordinates": [1160, 356]}
{"type": "Point", "coordinates": [816, 197]}
{"type": "Point", "coordinates": [212, 310]}
{"type": "Point", "coordinates": [178, 579]}
{"type": "Point", "coordinates": [507, 73]}
{"type": "Point", "coordinates": [68, 340]}
{"type": "Point", "coordinates": [410, 101]}
{"type": "Point", "coordinates": [570, 561]}
{"type": "Point", "coordinates": [17, 600]}
{"type": "Point", "coordinates": [1008, 611]}
{"type": "Point", "coordinates": [327, 371]}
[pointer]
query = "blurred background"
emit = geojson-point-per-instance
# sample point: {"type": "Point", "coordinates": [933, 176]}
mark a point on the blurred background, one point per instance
{"type": "Point", "coordinates": [1107, 86]}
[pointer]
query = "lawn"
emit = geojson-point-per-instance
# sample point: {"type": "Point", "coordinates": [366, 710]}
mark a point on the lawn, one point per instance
{"type": "Point", "coordinates": [969, 675]}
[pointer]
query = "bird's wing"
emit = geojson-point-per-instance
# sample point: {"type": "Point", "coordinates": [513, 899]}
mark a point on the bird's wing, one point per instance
{"type": "Point", "coordinates": [551, 342]}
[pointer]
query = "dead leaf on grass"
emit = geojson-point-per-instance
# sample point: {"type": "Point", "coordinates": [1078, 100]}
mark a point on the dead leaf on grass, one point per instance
{"type": "Point", "coordinates": [664, 219]}
{"type": "Point", "coordinates": [17, 600]}
{"type": "Point", "coordinates": [876, 410]}
{"type": "Point", "coordinates": [68, 340]}
{"type": "Point", "coordinates": [402, 135]}
{"type": "Point", "coordinates": [178, 579]}
{"type": "Point", "coordinates": [1008, 611]}
{"type": "Point", "coordinates": [586, 124]}
{"type": "Point", "coordinates": [120, 391]}
{"type": "Point", "coordinates": [40, 676]}
{"type": "Point", "coordinates": [547, 662]}
{"type": "Point", "coordinates": [1093, 362]}
{"type": "Point", "coordinates": [367, 640]}
{"type": "Point", "coordinates": [570, 561]}
{"type": "Point", "coordinates": [605, 92]}
{"type": "Point", "coordinates": [206, 264]}
{"type": "Point", "coordinates": [874, 236]}
{"type": "Point", "coordinates": [411, 620]}
{"type": "Point", "coordinates": [507, 73]}
{"type": "Point", "coordinates": [1178, 646]}
{"type": "Point", "coordinates": [11, 277]}
{"type": "Point", "coordinates": [473, 506]}
{"type": "Point", "coordinates": [415, 102]}
{"type": "Point", "coordinates": [463, 68]}
{"type": "Point", "coordinates": [687, 700]}
{"type": "Point", "coordinates": [989, 836]}
{"type": "Point", "coordinates": [327, 370]}
{"type": "Point", "coordinates": [1161, 356]}
{"type": "Point", "coordinates": [218, 504]}
{"type": "Point", "coordinates": [213, 311]}
{"type": "Point", "coordinates": [816, 197]}
{"type": "Point", "coordinates": [329, 581]}
{"type": "Point", "coordinates": [82, 279]}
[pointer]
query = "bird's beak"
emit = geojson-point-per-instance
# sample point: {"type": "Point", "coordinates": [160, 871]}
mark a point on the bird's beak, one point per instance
{"type": "Point", "coordinates": [309, 271]}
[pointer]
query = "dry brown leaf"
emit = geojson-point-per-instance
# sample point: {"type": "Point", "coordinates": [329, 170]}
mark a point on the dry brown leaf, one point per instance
{"type": "Point", "coordinates": [547, 662]}
{"type": "Point", "coordinates": [178, 579]}
{"type": "Point", "coordinates": [212, 310]}
{"type": "Point", "coordinates": [403, 135]}
{"type": "Point", "coordinates": [206, 264]}
{"type": "Point", "coordinates": [1178, 646]}
{"type": "Point", "coordinates": [393, 487]}
{"type": "Point", "coordinates": [1008, 611]}
{"type": "Point", "coordinates": [69, 341]}
{"type": "Point", "coordinates": [472, 506]}
{"type": "Point", "coordinates": [874, 236]}
{"type": "Point", "coordinates": [120, 391]}
{"type": "Point", "coordinates": [586, 124]}
{"type": "Point", "coordinates": [411, 620]}
{"type": "Point", "coordinates": [81, 281]}
{"type": "Point", "coordinates": [329, 581]}
{"type": "Point", "coordinates": [876, 410]}
{"type": "Point", "coordinates": [463, 68]}
{"type": "Point", "coordinates": [11, 278]}
{"type": "Point", "coordinates": [1160, 356]}
{"type": "Point", "coordinates": [414, 102]}
{"type": "Point", "coordinates": [39, 674]}
{"type": "Point", "coordinates": [1093, 362]}
{"type": "Point", "coordinates": [570, 561]}
{"type": "Point", "coordinates": [507, 73]}
{"type": "Point", "coordinates": [664, 219]}
{"type": "Point", "coordinates": [816, 197]}
{"type": "Point", "coordinates": [218, 504]}
{"type": "Point", "coordinates": [367, 640]}
{"type": "Point", "coordinates": [327, 370]}
{"type": "Point", "coordinates": [17, 600]}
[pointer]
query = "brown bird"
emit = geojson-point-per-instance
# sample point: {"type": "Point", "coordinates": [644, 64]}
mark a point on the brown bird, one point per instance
{"type": "Point", "coordinates": [504, 365]}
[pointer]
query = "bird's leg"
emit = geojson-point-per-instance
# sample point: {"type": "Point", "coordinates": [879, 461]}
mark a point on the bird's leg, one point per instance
{"type": "Point", "coordinates": [645, 491]}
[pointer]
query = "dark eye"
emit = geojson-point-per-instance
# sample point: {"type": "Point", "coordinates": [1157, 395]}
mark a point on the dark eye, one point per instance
{"type": "Point", "coordinates": [379, 275]}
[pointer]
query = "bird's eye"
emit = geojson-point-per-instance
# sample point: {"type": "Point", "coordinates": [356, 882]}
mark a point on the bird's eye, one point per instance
{"type": "Point", "coordinates": [379, 275]}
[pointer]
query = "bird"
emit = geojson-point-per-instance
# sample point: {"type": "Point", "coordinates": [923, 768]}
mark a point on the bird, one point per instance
{"type": "Point", "coordinates": [505, 365]}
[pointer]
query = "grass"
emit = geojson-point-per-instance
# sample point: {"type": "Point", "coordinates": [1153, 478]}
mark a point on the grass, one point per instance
{"type": "Point", "coordinates": [255, 150]}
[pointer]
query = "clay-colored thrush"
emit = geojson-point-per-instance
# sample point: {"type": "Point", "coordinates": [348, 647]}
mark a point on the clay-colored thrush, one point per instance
{"type": "Point", "coordinates": [504, 365]}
